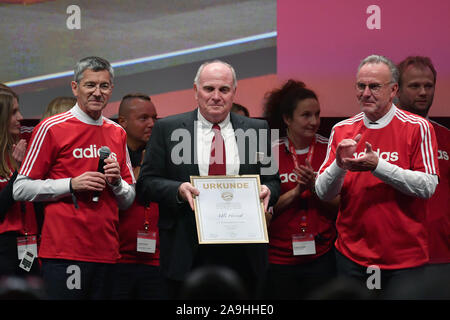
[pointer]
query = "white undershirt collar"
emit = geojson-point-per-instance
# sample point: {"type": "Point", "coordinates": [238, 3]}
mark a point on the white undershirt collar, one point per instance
{"type": "Point", "coordinates": [83, 116]}
{"type": "Point", "coordinates": [208, 125]}
{"type": "Point", "coordinates": [297, 151]}
{"type": "Point", "coordinates": [383, 121]}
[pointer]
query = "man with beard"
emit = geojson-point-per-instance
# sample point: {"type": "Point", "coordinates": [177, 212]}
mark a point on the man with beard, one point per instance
{"type": "Point", "coordinates": [416, 92]}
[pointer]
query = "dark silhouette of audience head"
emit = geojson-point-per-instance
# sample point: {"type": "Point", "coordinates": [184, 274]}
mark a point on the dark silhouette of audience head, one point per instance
{"type": "Point", "coordinates": [213, 283]}
{"type": "Point", "coordinates": [341, 288]}
{"type": "Point", "coordinates": [21, 288]}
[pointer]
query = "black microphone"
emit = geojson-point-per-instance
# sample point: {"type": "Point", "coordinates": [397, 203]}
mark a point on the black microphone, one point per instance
{"type": "Point", "coordinates": [104, 153]}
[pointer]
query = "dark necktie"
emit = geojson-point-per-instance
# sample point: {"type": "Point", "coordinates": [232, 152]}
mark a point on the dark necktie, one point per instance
{"type": "Point", "coordinates": [217, 161]}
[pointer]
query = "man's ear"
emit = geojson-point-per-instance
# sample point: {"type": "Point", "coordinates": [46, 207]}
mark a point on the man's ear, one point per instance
{"type": "Point", "coordinates": [122, 121]}
{"type": "Point", "coordinates": [395, 90]}
{"type": "Point", "coordinates": [195, 92]}
{"type": "Point", "coordinates": [74, 86]}
{"type": "Point", "coordinates": [398, 92]}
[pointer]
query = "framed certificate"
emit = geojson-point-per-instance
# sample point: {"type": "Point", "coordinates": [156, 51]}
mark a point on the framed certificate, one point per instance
{"type": "Point", "coordinates": [229, 210]}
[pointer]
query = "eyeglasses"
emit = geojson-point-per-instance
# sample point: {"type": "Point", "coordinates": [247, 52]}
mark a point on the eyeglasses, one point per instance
{"type": "Point", "coordinates": [373, 87]}
{"type": "Point", "coordinates": [92, 86]}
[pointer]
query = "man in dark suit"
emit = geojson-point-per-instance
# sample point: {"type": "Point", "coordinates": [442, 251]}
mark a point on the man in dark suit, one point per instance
{"type": "Point", "coordinates": [180, 147]}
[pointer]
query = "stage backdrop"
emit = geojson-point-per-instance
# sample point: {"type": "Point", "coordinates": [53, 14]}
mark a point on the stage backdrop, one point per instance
{"type": "Point", "coordinates": [322, 43]}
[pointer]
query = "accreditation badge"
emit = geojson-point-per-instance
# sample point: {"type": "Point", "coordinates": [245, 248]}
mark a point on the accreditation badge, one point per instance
{"type": "Point", "coordinates": [146, 241]}
{"type": "Point", "coordinates": [26, 243]}
{"type": "Point", "coordinates": [27, 261]}
{"type": "Point", "coordinates": [303, 244]}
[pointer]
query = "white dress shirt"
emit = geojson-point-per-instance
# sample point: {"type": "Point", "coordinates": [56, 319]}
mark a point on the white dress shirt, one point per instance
{"type": "Point", "coordinates": [204, 138]}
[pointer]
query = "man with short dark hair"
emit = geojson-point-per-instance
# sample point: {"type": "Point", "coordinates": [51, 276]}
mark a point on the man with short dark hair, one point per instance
{"type": "Point", "coordinates": [137, 274]}
{"type": "Point", "coordinates": [416, 92]}
{"type": "Point", "coordinates": [79, 243]}
{"type": "Point", "coordinates": [416, 85]}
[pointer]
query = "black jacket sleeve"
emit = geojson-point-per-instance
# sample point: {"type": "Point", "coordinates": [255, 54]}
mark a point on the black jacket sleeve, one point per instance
{"type": "Point", "coordinates": [6, 197]}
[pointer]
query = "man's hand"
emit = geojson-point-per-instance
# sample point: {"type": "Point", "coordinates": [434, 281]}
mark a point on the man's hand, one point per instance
{"type": "Point", "coordinates": [112, 171]}
{"type": "Point", "coordinates": [89, 181]}
{"type": "Point", "coordinates": [18, 151]}
{"type": "Point", "coordinates": [265, 196]}
{"type": "Point", "coordinates": [368, 162]}
{"type": "Point", "coordinates": [345, 150]}
{"type": "Point", "coordinates": [187, 192]}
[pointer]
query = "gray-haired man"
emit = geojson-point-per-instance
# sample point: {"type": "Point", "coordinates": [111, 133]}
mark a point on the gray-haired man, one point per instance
{"type": "Point", "coordinates": [383, 163]}
{"type": "Point", "coordinates": [79, 235]}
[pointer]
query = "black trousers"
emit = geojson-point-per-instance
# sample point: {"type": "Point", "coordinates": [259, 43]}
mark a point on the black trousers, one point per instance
{"type": "Point", "coordinates": [77, 280]}
{"type": "Point", "coordinates": [389, 280]}
{"type": "Point", "coordinates": [138, 281]}
{"type": "Point", "coordinates": [294, 282]}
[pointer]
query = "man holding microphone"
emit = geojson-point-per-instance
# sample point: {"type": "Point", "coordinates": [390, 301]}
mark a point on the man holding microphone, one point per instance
{"type": "Point", "coordinates": [79, 241]}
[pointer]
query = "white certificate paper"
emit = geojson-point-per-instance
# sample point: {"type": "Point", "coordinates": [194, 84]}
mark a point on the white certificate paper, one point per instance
{"type": "Point", "coordinates": [229, 210]}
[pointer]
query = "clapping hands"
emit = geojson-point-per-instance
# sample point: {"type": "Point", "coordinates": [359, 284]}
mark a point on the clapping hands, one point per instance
{"type": "Point", "coordinates": [18, 151]}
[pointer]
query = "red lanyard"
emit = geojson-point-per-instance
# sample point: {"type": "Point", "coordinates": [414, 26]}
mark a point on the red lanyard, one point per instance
{"type": "Point", "coordinates": [294, 153]}
{"type": "Point", "coordinates": [147, 218]}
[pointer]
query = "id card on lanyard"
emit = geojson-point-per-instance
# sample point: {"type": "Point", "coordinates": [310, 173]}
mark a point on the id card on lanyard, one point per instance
{"type": "Point", "coordinates": [26, 242]}
{"type": "Point", "coordinates": [303, 243]}
{"type": "Point", "coordinates": [146, 240]}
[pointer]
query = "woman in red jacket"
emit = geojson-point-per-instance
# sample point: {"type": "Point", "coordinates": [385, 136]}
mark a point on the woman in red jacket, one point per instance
{"type": "Point", "coordinates": [17, 219]}
{"type": "Point", "coordinates": [301, 230]}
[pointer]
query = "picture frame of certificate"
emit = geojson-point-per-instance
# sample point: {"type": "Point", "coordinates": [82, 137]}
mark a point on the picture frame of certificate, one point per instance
{"type": "Point", "coordinates": [229, 210]}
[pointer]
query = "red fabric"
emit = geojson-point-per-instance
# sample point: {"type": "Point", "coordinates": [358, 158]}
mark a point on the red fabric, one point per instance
{"type": "Point", "coordinates": [438, 218]}
{"type": "Point", "coordinates": [131, 221]}
{"type": "Point", "coordinates": [285, 224]}
{"type": "Point", "coordinates": [217, 161]}
{"type": "Point", "coordinates": [20, 216]}
{"type": "Point", "coordinates": [62, 146]}
{"type": "Point", "coordinates": [376, 224]}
